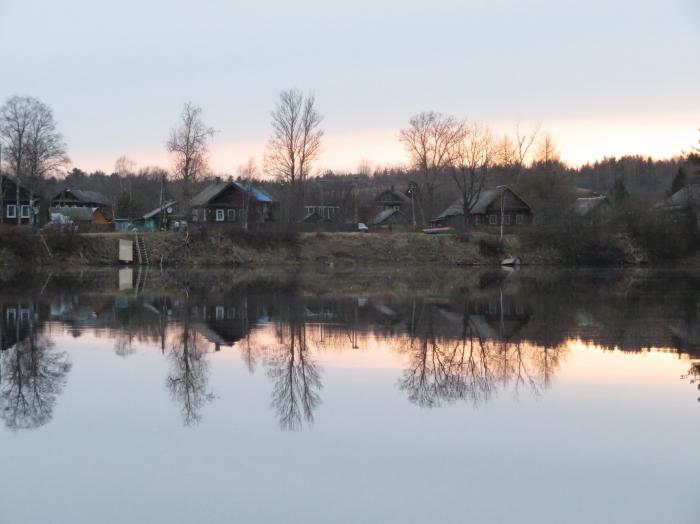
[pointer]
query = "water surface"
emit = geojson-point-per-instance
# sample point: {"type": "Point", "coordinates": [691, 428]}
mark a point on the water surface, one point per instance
{"type": "Point", "coordinates": [363, 396]}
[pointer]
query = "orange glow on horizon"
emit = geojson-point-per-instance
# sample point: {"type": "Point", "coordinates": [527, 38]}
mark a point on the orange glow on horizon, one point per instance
{"type": "Point", "coordinates": [579, 141]}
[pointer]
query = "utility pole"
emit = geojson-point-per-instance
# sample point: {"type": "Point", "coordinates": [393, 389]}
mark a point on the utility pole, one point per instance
{"type": "Point", "coordinates": [160, 213]}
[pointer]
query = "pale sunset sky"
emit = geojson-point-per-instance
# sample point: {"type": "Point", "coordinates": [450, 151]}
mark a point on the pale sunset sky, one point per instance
{"type": "Point", "coordinates": [605, 77]}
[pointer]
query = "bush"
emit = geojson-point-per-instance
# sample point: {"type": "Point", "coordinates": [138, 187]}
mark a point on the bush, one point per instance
{"type": "Point", "coordinates": [67, 242]}
{"type": "Point", "coordinates": [19, 242]}
{"type": "Point", "coordinates": [578, 243]}
{"type": "Point", "coordinates": [490, 247]}
{"type": "Point", "coordinates": [262, 239]}
{"type": "Point", "coordinates": [665, 237]}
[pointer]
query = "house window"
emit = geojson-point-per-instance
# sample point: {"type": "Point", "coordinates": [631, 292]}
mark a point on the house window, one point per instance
{"type": "Point", "coordinates": [219, 215]}
{"type": "Point", "coordinates": [519, 218]}
{"type": "Point", "coordinates": [493, 219]}
{"type": "Point", "coordinates": [195, 215]}
{"type": "Point", "coordinates": [506, 220]}
{"type": "Point", "coordinates": [219, 312]}
{"type": "Point", "coordinates": [24, 211]}
{"type": "Point", "coordinates": [11, 211]}
{"type": "Point", "coordinates": [231, 215]}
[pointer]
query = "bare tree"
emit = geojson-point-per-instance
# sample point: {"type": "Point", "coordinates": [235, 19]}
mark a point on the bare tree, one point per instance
{"type": "Point", "coordinates": [189, 145]}
{"type": "Point", "coordinates": [505, 151]}
{"type": "Point", "coordinates": [524, 140]}
{"type": "Point", "coordinates": [473, 156]}
{"type": "Point", "coordinates": [247, 173]}
{"type": "Point", "coordinates": [430, 142]}
{"type": "Point", "coordinates": [295, 143]}
{"type": "Point", "coordinates": [33, 146]}
{"type": "Point", "coordinates": [364, 167]}
{"type": "Point", "coordinates": [547, 152]}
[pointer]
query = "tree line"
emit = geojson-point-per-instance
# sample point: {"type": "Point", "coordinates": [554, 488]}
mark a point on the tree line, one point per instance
{"type": "Point", "coordinates": [448, 158]}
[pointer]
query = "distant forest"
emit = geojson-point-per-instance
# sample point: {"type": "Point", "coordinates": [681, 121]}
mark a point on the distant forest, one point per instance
{"type": "Point", "coordinates": [554, 185]}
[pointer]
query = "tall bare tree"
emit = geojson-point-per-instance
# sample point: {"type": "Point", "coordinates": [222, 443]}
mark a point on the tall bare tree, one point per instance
{"type": "Point", "coordinates": [524, 141]}
{"type": "Point", "coordinates": [33, 148]}
{"type": "Point", "coordinates": [189, 146]}
{"type": "Point", "coordinates": [247, 173]}
{"type": "Point", "coordinates": [430, 141]}
{"type": "Point", "coordinates": [295, 144]}
{"type": "Point", "coordinates": [472, 157]}
{"type": "Point", "coordinates": [547, 152]}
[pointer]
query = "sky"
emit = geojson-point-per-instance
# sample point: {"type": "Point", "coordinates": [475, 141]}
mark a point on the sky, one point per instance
{"type": "Point", "coordinates": [605, 78]}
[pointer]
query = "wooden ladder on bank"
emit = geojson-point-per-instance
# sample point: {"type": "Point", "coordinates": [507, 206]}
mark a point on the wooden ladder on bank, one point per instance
{"type": "Point", "coordinates": [141, 251]}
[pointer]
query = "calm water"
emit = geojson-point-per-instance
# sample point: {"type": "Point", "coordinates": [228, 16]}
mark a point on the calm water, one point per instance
{"type": "Point", "coordinates": [366, 396]}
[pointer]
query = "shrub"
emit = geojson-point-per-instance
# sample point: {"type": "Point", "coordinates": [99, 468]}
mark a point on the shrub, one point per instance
{"type": "Point", "coordinates": [20, 242]}
{"type": "Point", "coordinates": [663, 236]}
{"type": "Point", "coordinates": [262, 239]}
{"type": "Point", "coordinates": [490, 246]}
{"type": "Point", "coordinates": [577, 242]}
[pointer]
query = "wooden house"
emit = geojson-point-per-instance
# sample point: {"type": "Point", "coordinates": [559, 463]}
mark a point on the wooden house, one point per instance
{"type": "Point", "coordinates": [70, 197]}
{"type": "Point", "coordinates": [392, 208]}
{"type": "Point", "coordinates": [233, 204]}
{"type": "Point", "coordinates": [495, 206]}
{"type": "Point", "coordinates": [12, 212]}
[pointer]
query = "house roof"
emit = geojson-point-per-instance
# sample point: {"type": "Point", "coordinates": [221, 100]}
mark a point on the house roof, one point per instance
{"type": "Point", "coordinates": [213, 190]}
{"type": "Point", "coordinates": [81, 214]}
{"type": "Point", "coordinates": [158, 210]}
{"type": "Point", "coordinates": [485, 199]}
{"type": "Point", "coordinates": [398, 196]}
{"type": "Point", "coordinates": [585, 206]}
{"type": "Point", "coordinates": [688, 196]}
{"type": "Point", "coordinates": [91, 197]}
{"type": "Point", "coordinates": [383, 216]}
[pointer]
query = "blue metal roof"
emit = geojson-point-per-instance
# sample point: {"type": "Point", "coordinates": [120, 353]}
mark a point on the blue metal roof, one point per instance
{"type": "Point", "coordinates": [257, 193]}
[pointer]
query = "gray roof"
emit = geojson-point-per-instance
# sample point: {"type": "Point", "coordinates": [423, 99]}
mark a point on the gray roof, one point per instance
{"type": "Point", "coordinates": [397, 195]}
{"type": "Point", "coordinates": [212, 190]}
{"type": "Point", "coordinates": [485, 199]}
{"type": "Point", "coordinates": [688, 196]}
{"type": "Point", "coordinates": [91, 197]}
{"type": "Point", "coordinates": [383, 216]}
{"type": "Point", "coordinates": [80, 214]}
{"type": "Point", "coordinates": [158, 210]}
{"type": "Point", "coordinates": [585, 206]}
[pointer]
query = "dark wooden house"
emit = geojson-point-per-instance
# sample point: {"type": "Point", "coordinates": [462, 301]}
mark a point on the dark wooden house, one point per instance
{"type": "Point", "coordinates": [13, 212]}
{"type": "Point", "coordinates": [495, 206]}
{"type": "Point", "coordinates": [70, 197]}
{"type": "Point", "coordinates": [392, 208]}
{"type": "Point", "coordinates": [233, 204]}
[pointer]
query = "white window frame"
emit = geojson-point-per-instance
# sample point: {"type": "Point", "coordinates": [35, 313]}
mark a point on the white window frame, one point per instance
{"type": "Point", "coordinates": [220, 215]}
{"type": "Point", "coordinates": [220, 312]}
{"type": "Point", "coordinates": [493, 220]}
{"type": "Point", "coordinates": [231, 215]}
{"type": "Point", "coordinates": [22, 210]}
{"type": "Point", "coordinates": [11, 211]}
{"type": "Point", "coordinates": [506, 220]}
{"type": "Point", "coordinates": [519, 219]}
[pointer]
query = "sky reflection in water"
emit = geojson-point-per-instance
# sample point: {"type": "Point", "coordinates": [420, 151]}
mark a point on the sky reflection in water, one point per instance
{"type": "Point", "coordinates": [541, 396]}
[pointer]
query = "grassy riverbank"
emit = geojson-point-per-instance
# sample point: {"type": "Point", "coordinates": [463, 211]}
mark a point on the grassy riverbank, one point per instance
{"type": "Point", "coordinates": [236, 249]}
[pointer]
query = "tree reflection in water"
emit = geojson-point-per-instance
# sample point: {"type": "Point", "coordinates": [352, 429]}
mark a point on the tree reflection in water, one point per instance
{"type": "Point", "coordinates": [32, 376]}
{"type": "Point", "coordinates": [296, 377]}
{"type": "Point", "coordinates": [189, 376]}
{"type": "Point", "coordinates": [470, 367]}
